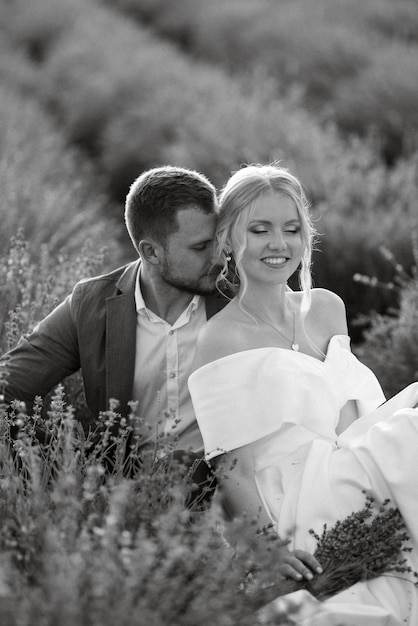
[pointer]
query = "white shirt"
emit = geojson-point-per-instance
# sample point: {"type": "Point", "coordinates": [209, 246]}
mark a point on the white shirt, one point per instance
{"type": "Point", "coordinates": [163, 359]}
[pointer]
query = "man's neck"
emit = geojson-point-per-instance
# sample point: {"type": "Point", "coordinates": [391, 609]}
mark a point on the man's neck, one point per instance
{"type": "Point", "coordinates": [162, 299]}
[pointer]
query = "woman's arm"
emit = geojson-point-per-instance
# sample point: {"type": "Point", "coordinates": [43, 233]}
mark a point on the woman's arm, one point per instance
{"type": "Point", "coordinates": [240, 497]}
{"type": "Point", "coordinates": [348, 414]}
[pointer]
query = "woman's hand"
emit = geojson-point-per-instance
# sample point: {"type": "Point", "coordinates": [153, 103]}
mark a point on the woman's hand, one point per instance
{"type": "Point", "coordinates": [298, 565]}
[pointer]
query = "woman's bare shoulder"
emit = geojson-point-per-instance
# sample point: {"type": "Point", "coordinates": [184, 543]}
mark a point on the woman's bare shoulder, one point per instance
{"type": "Point", "coordinates": [219, 337]}
{"type": "Point", "coordinates": [329, 309]}
{"type": "Point", "coordinates": [322, 296]}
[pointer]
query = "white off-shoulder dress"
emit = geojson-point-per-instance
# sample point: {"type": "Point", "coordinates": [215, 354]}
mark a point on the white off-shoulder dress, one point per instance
{"type": "Point", "coordinates": [285, 405]}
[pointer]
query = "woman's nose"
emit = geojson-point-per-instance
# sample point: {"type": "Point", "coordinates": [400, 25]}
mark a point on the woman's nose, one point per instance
{"type": "Point", "coordinates": [277, 242]}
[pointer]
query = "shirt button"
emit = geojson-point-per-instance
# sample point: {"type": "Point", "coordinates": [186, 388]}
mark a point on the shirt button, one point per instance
{"type": "Point", "coordinates": [172, 374]}
{"type": "Point", "coordinates": [171, 332]}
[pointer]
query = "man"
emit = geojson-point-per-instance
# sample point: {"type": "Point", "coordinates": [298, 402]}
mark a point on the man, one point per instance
{"type": "Point", "coordinates": [132, 332]}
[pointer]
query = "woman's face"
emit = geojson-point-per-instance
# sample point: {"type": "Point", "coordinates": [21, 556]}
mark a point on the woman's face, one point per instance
{"type": "Point", "coordinates": [274, 241]}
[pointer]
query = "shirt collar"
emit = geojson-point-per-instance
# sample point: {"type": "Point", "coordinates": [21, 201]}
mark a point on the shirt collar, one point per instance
{"type": "Point", "coordinates": [140, 303]}
{"type": "Point", "coordinates": [139, 300]}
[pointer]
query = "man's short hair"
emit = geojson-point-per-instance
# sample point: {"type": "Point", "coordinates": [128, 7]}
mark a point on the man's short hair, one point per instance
{"type": "Point", "coordinates": [156, 197]}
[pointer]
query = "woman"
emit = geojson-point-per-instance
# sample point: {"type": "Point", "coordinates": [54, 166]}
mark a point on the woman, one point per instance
{"type": "Point", "coordinates": [277, 389]}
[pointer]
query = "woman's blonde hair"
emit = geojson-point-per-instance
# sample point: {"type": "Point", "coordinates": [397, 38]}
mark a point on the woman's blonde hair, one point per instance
{"type": "Point", "coordinates": [237, 204]}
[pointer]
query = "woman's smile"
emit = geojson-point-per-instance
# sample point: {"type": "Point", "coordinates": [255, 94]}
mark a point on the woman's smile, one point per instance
{"type": "Point", "coordinates": [275, 261]}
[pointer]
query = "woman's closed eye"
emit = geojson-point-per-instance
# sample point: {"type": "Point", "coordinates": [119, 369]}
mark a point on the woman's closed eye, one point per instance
{"type": "Point", "coordinates": [259, 230]}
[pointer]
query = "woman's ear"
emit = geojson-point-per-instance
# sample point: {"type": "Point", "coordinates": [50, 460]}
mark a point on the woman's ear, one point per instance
{"type": "Point", "coordinates": [150, 252]}
{"type": "Point", "coordinates": [228, 250]}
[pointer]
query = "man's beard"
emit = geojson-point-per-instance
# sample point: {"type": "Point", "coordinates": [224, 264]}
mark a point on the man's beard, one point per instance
{"type": "Point", "coordinates": [203, 287]}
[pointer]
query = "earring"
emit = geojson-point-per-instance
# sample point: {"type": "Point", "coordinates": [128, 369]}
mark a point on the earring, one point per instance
{"type": "Point", "coordinates": [228, 255]}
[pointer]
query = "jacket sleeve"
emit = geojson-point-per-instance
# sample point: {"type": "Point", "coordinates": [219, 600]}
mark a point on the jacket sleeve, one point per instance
{"type": "Point", "coordinates": [44, 357]}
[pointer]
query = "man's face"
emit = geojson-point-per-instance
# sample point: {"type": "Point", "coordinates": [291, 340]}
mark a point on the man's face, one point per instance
{"type": "Point", "coordinates": [188, 254]}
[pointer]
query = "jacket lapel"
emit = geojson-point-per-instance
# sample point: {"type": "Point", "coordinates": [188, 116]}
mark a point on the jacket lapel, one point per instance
{"type": "Point", "coordinates": [121, 321]}
{"type": "Point", "coordinates": [214, 303]}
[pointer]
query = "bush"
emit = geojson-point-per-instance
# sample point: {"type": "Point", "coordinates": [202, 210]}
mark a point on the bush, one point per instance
{"type": "Point", "coordinates": [363, 206]}
{"type": "Point", "coordinates": [135, 102]}
{"type": "Point", "coordinates": [390, 345]}
{"type": "Point", "coordinates": [48, 189]}
{"type": "Point", "coordinates": [331, 49]}
{"type": "Point", "coordinates": [31, 285]}
{"type": "Point", "coordinates": [80, 546]}
{"type": "Point", "coordinates": [383, 98]}
{"type": "Point", "coordinates": [37, 27]}
{"type": "Point", "coordinates": [397, 22]}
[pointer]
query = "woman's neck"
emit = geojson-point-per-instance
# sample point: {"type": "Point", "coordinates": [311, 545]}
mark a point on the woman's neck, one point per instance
{"type": "Point", "coordinates": [270, 304]}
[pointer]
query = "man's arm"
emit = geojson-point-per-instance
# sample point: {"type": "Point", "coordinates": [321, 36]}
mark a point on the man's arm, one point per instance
{"type": "Point", "coordinates": [42, 358]}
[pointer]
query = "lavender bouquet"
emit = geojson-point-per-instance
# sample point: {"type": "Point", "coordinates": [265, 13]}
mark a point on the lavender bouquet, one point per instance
{"type": "Point", "coordinates": [366, 544]}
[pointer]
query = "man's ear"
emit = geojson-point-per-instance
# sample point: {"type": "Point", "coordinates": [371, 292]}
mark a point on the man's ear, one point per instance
{"type": "Point", "coordinates": [150, 251]}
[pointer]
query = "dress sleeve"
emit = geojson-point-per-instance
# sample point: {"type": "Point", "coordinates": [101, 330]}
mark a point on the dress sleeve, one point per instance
{"type": "Point", "coordinates": [241, 398]}
{"type": "Point", "coordinates": [358, 381]}
{"type": "Point", "coordinates": [229, 412]}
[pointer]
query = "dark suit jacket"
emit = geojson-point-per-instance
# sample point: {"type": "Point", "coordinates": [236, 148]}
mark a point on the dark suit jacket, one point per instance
{"type": "Point", "coordinates": [95, 329]}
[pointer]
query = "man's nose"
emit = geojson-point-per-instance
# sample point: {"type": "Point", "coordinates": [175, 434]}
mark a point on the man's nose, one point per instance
{"type": "Point", "coordinates": [214, 253]}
